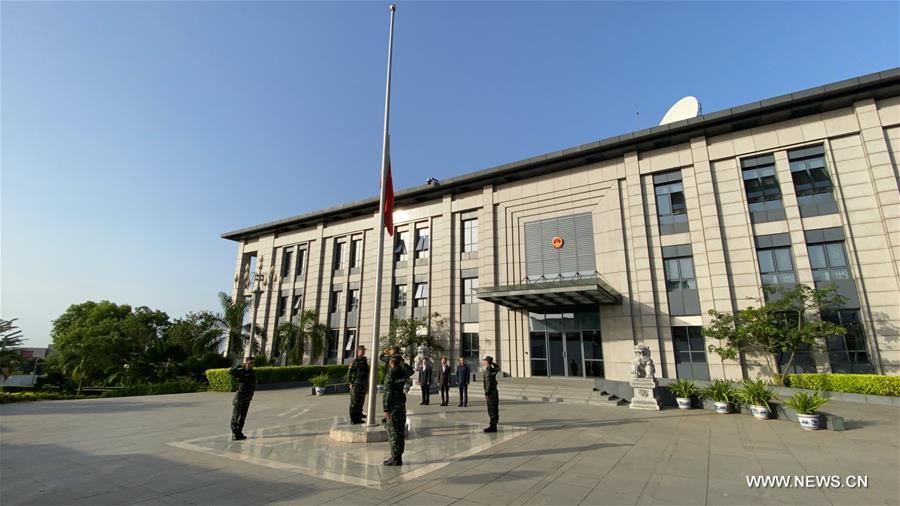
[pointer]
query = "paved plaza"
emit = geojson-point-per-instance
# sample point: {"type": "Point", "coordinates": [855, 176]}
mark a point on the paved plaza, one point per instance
{"type": "Point", "coordinates": [175, 449]}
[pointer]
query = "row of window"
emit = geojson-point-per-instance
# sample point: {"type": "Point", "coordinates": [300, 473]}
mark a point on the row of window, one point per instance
{"type": "Point", "coordinates": [846, 354]}
{"type": "Point", "coordinates": [420, 293]}
{"type": "Point", "coordinates": [828, 260]}
{"type": "Point", "coordinates": [809, 174]}
{"type": "Point", "coordinates": [345, 257]}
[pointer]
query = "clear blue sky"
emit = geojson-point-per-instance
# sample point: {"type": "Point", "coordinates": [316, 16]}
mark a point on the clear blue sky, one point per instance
{"type": "Point", "coordinates": [134, 133]}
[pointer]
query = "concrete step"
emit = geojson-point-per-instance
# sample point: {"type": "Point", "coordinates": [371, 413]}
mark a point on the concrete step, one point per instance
{"type": "Point", "coordinates": [564, 391]}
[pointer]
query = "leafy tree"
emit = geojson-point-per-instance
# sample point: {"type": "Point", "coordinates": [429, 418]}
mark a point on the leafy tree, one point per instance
{"type": "Point", "coordinates": [306, 333]}
{"type": "Point", "coordinates": [787, 323]}
{"type": "Point", "coordinates": [409, 333]}
{"type": "Point", "coordinates": [93, 341]}
{"type": "Point", "coordinates": [198, 333]}
{"type": "Point", "coordinates": [10, 340]}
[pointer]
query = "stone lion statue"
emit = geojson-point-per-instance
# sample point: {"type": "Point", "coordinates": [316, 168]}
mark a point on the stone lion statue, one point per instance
{"type": "Point", "coordinates": [642, 364]}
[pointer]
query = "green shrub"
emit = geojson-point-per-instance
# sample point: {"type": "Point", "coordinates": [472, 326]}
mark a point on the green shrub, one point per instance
{"type": "Point", "coordinates": [720, 390]}
{"type": "Point", "coordinates": [869, 384]}
{"type": "Point", "coordinates": [171, 387]}
{"type": "Point", "coordinates": [6, 398]}
{"type": "Point", "coordinates": [221, 381]}
{"type": "Point", "coordinates": [684, 388]}
{"type": "Point", "coordinates": [806, 404]}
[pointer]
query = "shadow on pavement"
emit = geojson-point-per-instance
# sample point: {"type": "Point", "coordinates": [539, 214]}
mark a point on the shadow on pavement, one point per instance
{"type": "Point", "coordinates": [48, 474]}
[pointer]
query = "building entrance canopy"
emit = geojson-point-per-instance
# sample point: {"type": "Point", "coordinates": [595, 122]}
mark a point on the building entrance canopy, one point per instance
{"type": "Point", "coordinates": [542, 293]}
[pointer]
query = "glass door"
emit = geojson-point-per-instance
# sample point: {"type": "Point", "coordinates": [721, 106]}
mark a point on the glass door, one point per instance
{"type": "Point", "coordinates": [556, 354]}
{"type": "Point", "coordinates": [575, 366]}
{"type": "Point", "coordinates": [538, 353]}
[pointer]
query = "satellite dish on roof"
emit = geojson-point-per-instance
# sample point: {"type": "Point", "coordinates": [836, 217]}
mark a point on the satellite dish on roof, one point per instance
{"type": "Point", "coordinates": [686, 108]}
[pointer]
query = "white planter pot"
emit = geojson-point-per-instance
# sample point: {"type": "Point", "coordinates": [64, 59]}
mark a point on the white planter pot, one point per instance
{"type": "Point", "coordinates": [320, 390]}
{"type": "Point", "coordinates": [760, 412]}
{"type": "Point", "coordinates": [683, 402]}
{"type": "Point", "coordinates": [380, 388]}
{"type": "Point", "coordinates": [810, 422]}
{"type": "Point", "coordinates": [723, 408]}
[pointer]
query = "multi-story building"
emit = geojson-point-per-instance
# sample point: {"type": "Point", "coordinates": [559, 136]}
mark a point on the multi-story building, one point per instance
{"type": "Point", "coordinates": [559, 264]}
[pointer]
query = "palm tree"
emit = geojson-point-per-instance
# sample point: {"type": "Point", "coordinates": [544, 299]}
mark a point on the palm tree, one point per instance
{"type": "Point", "coordinates": [232, 320]}
{"type": "Point", "coordinates": [305, 332]}
{"type": "Point", "coordinates": [10, 340]}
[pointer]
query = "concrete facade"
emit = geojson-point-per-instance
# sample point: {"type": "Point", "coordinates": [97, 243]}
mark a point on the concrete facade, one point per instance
{"type": "Point", "coordinates": [856, 123]}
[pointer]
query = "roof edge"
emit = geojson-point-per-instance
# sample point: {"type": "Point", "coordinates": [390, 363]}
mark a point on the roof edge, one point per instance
{"type": "Point", "coordinates": [557, 159]}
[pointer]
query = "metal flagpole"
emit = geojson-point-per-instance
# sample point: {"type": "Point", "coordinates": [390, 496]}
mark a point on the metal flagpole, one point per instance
{"type": "Point", "coordinates": [379, 265]}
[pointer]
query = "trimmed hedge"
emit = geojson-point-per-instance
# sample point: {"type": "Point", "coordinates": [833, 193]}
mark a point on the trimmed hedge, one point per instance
{"type": "Point", "coordinates": [869, 384]}
{"type": "Point", "coordinates": [7, 398]}
{"type": "Point", "coordinates": [171, 387]}
{"type": "Point", "coordinates": [221, 381]}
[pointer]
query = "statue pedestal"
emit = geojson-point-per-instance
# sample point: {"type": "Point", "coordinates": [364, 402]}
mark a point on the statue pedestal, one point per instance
{"type": "Point", "coordinates": [643, 394]}
{"type": "Point", "coordinates": [360, 433]}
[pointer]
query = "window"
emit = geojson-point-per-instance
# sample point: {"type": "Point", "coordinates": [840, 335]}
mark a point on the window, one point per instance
{"type": "Point", "coordinates": [803, 361]}
{"type": "Point", "coordinates": [671, 208]}
{"type": "Point", "coordinates": [776, 268]}
{"type": "Point", "coordinates": [350, 345]}
{"type": "Point", "coordinates": [301, 260]}
{"type": "Point", "coordinates": [470, 235]}
{"type": "Point", "coordinates": [331, 355]}
{"type": "Point", "coordinates": [848, 353]}
{"type": "Point", "coordinates": [282, 306]}
{"type": "Point", "coordinates": [811, 181]}
{"type": "Point", "coordinates": [336, 302]}
{"type": "Point", "coordinates": [828, 262]}
{"type": "Point", "coordinates": [356, 253]}
{"type": "Point", "coordinates": [352, 301]}
{"type": "Point", "coordinates": [690, 353]}
{"type": "Point", "coordinates": [681, 284]}
{"type": "Point", "coordinates": [420, 295]}
{"type": "Point", "coordinates": [470, 287]}
{"type": "Point", "coordinates": [400, 254]}
{"type": "Point", "coordinates": [400, 296]}
{"type": "Point", "coordinates": [763, 192]}
{"type": "Point", "coordinates": [339, 255]}
{"type": "Point", "coordinates": [468, 348]}
{"type": "Point", "coordinates": [297, 306]}
{"type": "Point", "coordinates": [286, 261]}
{"type": "Point", "coordinates": [422, 243]}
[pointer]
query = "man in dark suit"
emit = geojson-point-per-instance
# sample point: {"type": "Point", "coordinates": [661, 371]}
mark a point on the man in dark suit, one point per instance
{"type": "Point", "coordinates": [462, 379]}
{"type": "Point", "coordinates": [425, 373]}
{"type": "Point", "coordinates": [444, 381]}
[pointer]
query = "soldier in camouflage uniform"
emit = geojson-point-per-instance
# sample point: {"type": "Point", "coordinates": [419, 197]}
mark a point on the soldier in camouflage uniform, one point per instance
{"type": "Point", "coordinates": [489, 378]}
{"type": "Point", "coordinates": [358, 378]}
{"type": "Point", "coordinates": [395, 408]}
{"type": "Point", "coordinates": [246, 379]}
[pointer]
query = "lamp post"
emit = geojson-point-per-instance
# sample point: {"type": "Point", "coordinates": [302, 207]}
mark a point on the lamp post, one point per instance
{"type": "Point", "coordinates": [262, 281]}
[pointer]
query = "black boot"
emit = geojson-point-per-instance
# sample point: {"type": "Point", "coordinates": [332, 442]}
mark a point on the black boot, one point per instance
{"type": "Point", "coordinates": [490, 429]}
{"type": "Point", "coordinates": [393, 461]}
{"type": "Point", "coordinates": [238, 437]}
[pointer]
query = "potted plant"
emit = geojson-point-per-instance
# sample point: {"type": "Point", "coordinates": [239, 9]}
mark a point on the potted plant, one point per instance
{"type": "Point", "coordinates": [722, 393]}
{"type": "Point", "coordinates": [757, 395]}
{"type": "Point", "coordinates": [684, 390]}
{"type": "Point", "coordinates": [320, 382]}
{"type": "Point", "coordinates": [806, 405]}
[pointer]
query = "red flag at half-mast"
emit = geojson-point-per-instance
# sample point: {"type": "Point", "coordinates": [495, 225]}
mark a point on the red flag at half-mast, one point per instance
{"type": "Point", "coordinates": [388, 194]}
